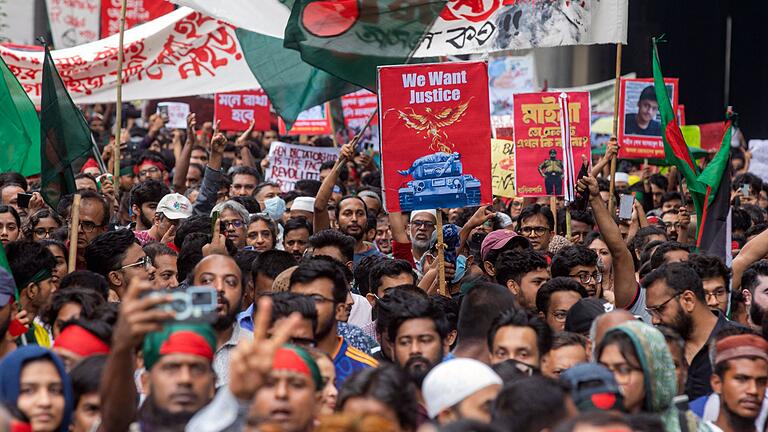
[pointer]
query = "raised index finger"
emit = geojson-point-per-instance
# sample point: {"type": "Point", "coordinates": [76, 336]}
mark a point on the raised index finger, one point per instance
{"type": "Point", "coordinates": [263, 319]}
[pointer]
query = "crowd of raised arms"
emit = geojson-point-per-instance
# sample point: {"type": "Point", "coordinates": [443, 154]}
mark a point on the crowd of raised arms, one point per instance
{"type": "Point", "coordinates": [328, 313]}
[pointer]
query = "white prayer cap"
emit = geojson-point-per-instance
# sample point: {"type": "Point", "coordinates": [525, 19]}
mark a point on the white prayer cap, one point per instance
{"type": "Point", "coordinates": [452, 381]}
{"type": "Point", "coordinates": [430, 211]}
{"type": "Point", "coordinates": [304, 204]}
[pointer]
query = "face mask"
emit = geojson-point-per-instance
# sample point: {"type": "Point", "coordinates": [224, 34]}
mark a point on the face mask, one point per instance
{"type": "Point", "coordinates": [274, 207]}
{"type": "Point", "coordinates": [461, 268]}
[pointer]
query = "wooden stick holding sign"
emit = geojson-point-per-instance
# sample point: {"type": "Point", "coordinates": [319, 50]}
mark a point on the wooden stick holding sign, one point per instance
{"type": "Point", "coordinates": [74, 229]}
{"type": "Point", "coordinates": [553, 209]}
{"type": "Point", "coordinates": [441, 289]}
{"type": "Point", "coordinates": [612, 187]}
{"type": "Point", "coordinates": [342, 160]}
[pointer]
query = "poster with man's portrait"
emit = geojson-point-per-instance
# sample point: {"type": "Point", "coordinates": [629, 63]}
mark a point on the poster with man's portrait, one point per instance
{"type": "Point", "coordinates": [640, 126]}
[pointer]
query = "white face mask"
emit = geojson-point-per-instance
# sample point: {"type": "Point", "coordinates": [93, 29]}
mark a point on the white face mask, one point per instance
{"type": "Point", "coordinates": [274, 207]}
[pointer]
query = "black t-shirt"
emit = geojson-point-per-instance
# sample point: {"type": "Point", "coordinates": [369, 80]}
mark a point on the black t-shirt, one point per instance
{"type": "Point", "coordinates": [631, 127]}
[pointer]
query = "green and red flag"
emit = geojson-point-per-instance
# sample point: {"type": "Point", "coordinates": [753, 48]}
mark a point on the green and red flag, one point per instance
{"type": "Point", "coordinates": [350, 38]}
{"type": "Point", "coordinates": [64, 134]}
{"type": "Point", "coordinates": [19, 127]}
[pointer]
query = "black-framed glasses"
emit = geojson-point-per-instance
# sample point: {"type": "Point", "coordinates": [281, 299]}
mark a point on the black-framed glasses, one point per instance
{"type": "Point", "coordinates": [144, 261]}
{"type": "Point", "coordinates": [237, 223]}
{"type": "Point", "coordinates": [150, 170]}
{"type": "Point", "coordinates": [586, 278]}
{"type": "Point", "coordinates": [656, 310]}
{"type": "Point", "coordinates": [320, 299]}
{"type": "Point", "coordinates": [718, 294]}
{"type": "Point", "coordinates": [86, 226]}
{"type": "Point", "coordinates": [42, 232]}
{"type": "Point", "coordinates": [531, 230]}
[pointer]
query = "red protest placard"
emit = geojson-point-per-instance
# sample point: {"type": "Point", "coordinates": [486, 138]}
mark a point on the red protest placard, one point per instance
{"type": "Point", "coordinates": [539, 159]}
{"type": "Point", "coordinates": [236, 110]}
{"type": "Point", "coordinates": [639, 118]}
{"type": "Point", "coordinates": [435, 135]}
{"type": "Point", "coordinates": [357, 107]}
{"type": "Point", "coordinates": [314, 121]}
{"type": "Point", "coordinates": [136, 12]}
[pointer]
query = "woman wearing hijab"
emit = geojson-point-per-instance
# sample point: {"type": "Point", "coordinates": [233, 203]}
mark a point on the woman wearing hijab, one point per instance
{"type": "Point", "coordinates": [33, 380]}
{"type": "Point", "coordinates": [639, 358]}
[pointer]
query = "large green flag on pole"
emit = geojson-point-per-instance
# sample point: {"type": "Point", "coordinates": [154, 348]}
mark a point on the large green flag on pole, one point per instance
{"type": "Point", "coordinates": [19, 127]}
{"type": "Point", "coordinates": [64, 134]}
{"type": "Point", "coordinates": [350, 38]}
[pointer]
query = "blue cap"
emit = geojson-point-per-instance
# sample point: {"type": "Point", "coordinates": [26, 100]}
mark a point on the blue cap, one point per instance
{"type": "Point", "coordinates": [7, 287]}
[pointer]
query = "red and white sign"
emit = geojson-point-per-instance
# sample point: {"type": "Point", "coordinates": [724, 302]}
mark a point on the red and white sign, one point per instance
{"type": "Point", "coordinates": [136, 12]}
{"type": "Point", "coordinates": [236, 110]}
{"type": "Point", "coordinates": [73, 22]}
{"type": "Point", "coordinates": [357, 107]}
{"type": "Point", "coordinates": [538, 132]}
{"type": "Point", "coordinates": [314, 121]}
{"type": "Point", "coordinates": [183, 53]}
{"type": "Point", "coordinates": [435, 135]}
{"type": "Point", "coordinates": [639, 119]}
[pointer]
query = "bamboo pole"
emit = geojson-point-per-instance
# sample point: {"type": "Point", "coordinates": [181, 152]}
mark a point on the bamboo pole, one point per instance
{"type": "Point", "coordinates": [74, 229]}
{"type": "Point", "coordinates": [553, 209]}
{"type": "Point", "coordinates": [441, 289]}
{"type": "Point", "coordinates": [119, 107]}
{"type": "Point", "coordinates": [612, 187]}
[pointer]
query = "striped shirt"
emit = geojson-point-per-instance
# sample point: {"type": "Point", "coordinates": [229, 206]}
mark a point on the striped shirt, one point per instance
{"type": "Point", "coordinates": [349, 360]}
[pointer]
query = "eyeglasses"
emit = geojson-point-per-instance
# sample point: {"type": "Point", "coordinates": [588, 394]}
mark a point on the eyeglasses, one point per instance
{"type": "Point", "coordinates": [150, 170]}
{"type": "Point", "coordinates": [538, 230]}
{"type": "Point", "coordinates": [423, 224]}
{"type": "Point", "coordinates": [586, 278]}
{"type": "Point", "coordinates": [560, 315]}
{"type": "Point", "coordinates": [656, 310]}
{"type": "Point", "coordinates": [144, 261]}
{"type": "Point", "coordinates": [86, 226]}
{"type": "Point", "coordinates": [320, 299]}
{"type": "Point", "coordinates": [237, 223]}
{"type": "Point", "coordinates": [42, 232]}
{"type": "Point", "coordinates": [718, 294]}
{"type": "Point", "coordinates": [622, 370]}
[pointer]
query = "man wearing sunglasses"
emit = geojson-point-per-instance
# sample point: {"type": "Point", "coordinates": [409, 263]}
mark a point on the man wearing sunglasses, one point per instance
{"type": "Point", "coordinates": [118, 257]}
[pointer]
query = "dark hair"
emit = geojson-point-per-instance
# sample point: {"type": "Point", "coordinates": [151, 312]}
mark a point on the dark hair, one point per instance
{"type": "Point", "coordinates": [469, 425]}
{"type": "Point", "coordinates": [295, 224]}
{"type": "Point", "coordinates": [88, 280]}
{"type": "Point", "coordinates": [272, 262]}
{"type": "Point", "coordinates": [107, 251]}
{"type": "Point", "coordinates": [35, 217]}
{"type": "Point", "coordinates": [749, 280]}
{"type": "Point", "coordinates": [755, 183]}
{"type": "Point", "coordinates": [509, 370]}
{"type": "Point", "coordinates": [563, 339]}
{"type": "Point", "coordinates": [389, 268]}
{"type": "Point", "coordinates": [533, 210]}
{"type": "Point", "coordinates": [659, 181]}
{"type": "Point", "coordinates": [624, 342]}
{"type": "Point", "coordinates": [582, 216]}
{"type": "Point", "coordinates": [658, 259]}
{"type": "Point", "coordinates": [87, 298]}
{"type": "Point", "coordinates": [284, 303]}
{"type": "Point", "coordinates": [598, 418]}
{"type": "Point", "coordinates": [197, 223]}
{"type": "Point", "coordinates": [719, 369]}
{"type": "Point", "coordinates": [482, 303]}
{"type": "Point", "coordinates": [756, 229]}
{"type": "Point", "coordinates": [250, 203]}
{"type": "Point", "coordinates": [756, 213]}
{"type": "Point", "coordinates": [644, 233]}
{"type": "Point", "coordinates": [329, 237]}
{"type": "Point", "coordinates": [89, 194]}
{"type": "Point", "coordinates": [647, 252]}
{"type": "Point", "coordinates": [531, 404]}
{"type": "Point", "coordinates": [519, 317]}
{"type": "Point", "coordinates": [153, 156]}
{"type": "Point", "coordinates": [679, 277]}
{"type": "Point", "coordinates": [389, 306]}
{"type": "Point", "coordinates": [709, 267]}
{"type": "Point", "coordinates": [86, 376]}
{"type": "Point", "coordinates": [558, 284]}
{"type": "Point", "coordinates": [670, 196]}
{"type": "Point", "coordinates": [571, 256]}
{"type": "Point", "coordinates": [262, 185]}
{"type": "Point", "coordinates": [648, 93]}
{"type": "Point", "coordinates": [313, 269]}
{"type": "Point", "coordinates": [387, 384]}
{"type": "Point", "coordinates": [362, 272]}
{"type": "Point", "coordinates": [244, 259]}
{"type": "Point", "coordinates": [147, 192]}
{"type": "Point", "coordinates": [191, 253]}
{"type": "Point", "coordinates": [99, 328]}
{"type": "Point", "coordinates": [245, 170]}
{"type": "Point", "coordinates": [197, 166]}
{"type": "Point", "coordinates": [516, 263]}
{"type": "Point", "coordinates": [8, 209]}
{"type": "Point", "coordinates": [450, 308]}
{"type": "Point", "coordinates": [155, 249]}
{"type": "Point", "coordinates": [89, 177]}
{"type": "Point", "coordinates": [344, 198]}
{"type": "Point", "coordinates": [308, 186]}
{"type": "Point", "coordinates": [740, 219]}
{"type": "Point", "coordinates": [343, 171]}
{"type": "Point", "coordinates": [418, 307]}
{"type": "Point", "coordinates": [12, 177]}
{"type": "Point", "coordinates": [26, 258]}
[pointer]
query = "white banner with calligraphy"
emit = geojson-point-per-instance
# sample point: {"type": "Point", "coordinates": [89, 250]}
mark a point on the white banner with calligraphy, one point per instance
{"type": "Point", "coordinates": [73, 22]}
{"type": "Point", "coordinates": [182, 53]}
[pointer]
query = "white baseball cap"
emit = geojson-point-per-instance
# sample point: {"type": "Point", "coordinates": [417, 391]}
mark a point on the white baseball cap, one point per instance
{"type": "Point", "coordinates": [303, 204]}
{"type": "Point", "coordinates": [452, 381]}
{"type": "Point", "coordinates": [175, 206]}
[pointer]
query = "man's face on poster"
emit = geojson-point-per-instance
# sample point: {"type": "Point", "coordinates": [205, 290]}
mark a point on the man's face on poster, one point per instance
{"type": "Point", "coordinates": [647, 110]}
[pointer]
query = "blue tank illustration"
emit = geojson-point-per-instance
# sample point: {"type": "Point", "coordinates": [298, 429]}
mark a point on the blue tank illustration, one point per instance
{"type": "Point", "coordinates": [438, 181]}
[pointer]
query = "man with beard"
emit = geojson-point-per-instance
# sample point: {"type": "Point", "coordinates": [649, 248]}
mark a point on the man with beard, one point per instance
{"type": "Point", "coordinates": [417, 330]}
{"type": "Point", "coordinates": [179, 379]}
{"type": "Point", "coordinates": [352, 217]}
{"type": "Point", "coordinates": [233, 219]}
{"type": "Point", "coordinates": [144, 199]}
{"type": "Point", "coordinates": [739, 379]}
{"type": "Point", "coordinates": [675, 298]}
{"type": "Point", "coordinates": [223, 273]}
{"type": "Point", "coordinates": [754, 286]}
{"type": "Point", "coordinates": [420, 231]}
{"type": "Point", "coordinates": [326, 285]}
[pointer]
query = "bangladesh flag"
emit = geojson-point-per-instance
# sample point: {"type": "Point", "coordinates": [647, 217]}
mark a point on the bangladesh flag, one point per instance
{"type": "Point", "coordinates": [350, 38]}
{"type": "Point", "coordinates": [19, 127]}
{"type": "Point", "coordinates": [64, 134]}
{"type": "Point", "coordinates": [710, 188]}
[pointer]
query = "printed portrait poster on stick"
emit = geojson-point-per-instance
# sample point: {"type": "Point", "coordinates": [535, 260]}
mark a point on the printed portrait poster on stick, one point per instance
{"type": "Point", "coordinates": [289, 163]}
{"type": "Point", "coordinates": [639, 118]}
{"type": "Point", "coordinates": [503, 167]}
{"type": "Point", "coordinates": [539, 160]}
{"type": "Point", "coordinates": [314, 121]}
{"type": "Point", "coordinates": [236, 110]}
{"type": "Point", "coordinates": [435, 135]}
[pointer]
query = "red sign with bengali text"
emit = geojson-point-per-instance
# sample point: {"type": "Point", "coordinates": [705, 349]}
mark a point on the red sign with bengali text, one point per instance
{"type": "Point", "coordinates": [639, 119]}
{"type": "Point", "coordinates": [136, 12]}
{"type": "Point", "coordinates": [357, 107]}
{"type": "Point", "coordinates": [236, 110]}
{"type": "Point", "coordinates": [539, 163]}
{"type": "Point", "coordinates": [314, 121]}
{"type": "Point", "coordinates": [435, 135]}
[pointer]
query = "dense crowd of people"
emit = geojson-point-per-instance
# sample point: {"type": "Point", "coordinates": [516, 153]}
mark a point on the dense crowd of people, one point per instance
{"type": "Point", "coordinates": [328, 313]}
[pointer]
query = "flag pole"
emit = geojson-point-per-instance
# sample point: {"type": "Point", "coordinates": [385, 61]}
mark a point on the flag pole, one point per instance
{"type": "Point", "coordinates": [74, 229]}
{"type": "Point", "coordinates": [612, 187]}
{"type": "Point", "coordinates": [119, 107]}
{"type": "Point", "coordinates": [441, 288]}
